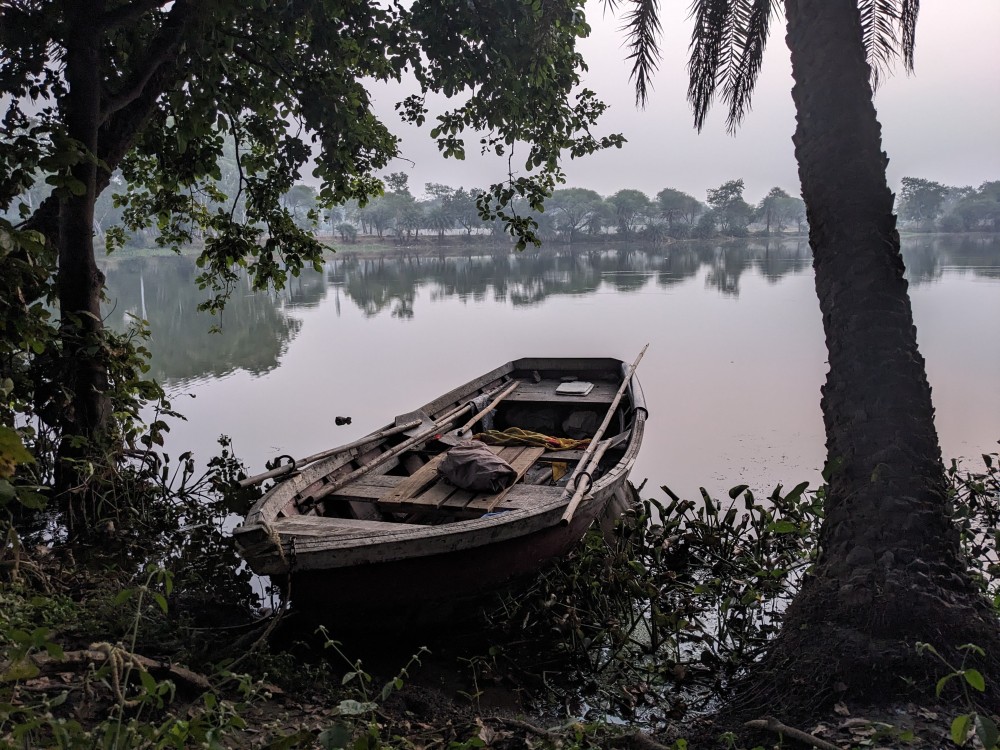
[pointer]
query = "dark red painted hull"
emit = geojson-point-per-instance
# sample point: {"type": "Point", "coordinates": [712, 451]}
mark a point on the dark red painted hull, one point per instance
{"type": "Point", "coordinates": [429, 588]}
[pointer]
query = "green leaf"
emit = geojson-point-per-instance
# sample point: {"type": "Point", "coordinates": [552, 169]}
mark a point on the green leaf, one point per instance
{"type": "Point", "coordinates": [161, 600]}
{"type": "Point", "coordinates": [123, 596]}
{"type": "Point", "coordinates": [148, 683]}
{"type": "Point", "coordinates": [939, 688]}
{"type": "Point", "coordinates": [12, 452]}
{"type": "Point", "coordinates": [960, 728]}
{"type": "Point", "coordinates": [336, 737]}
{"type": "Point", "coordinates": [796, 492]}
{"type": "Point", "coordinates": [986, 731]}
{"type": "Point", "coordinates": [975, 678]}
{"type": "Point", "coordinates": [21, 669]}
{"type": "Point", "coordinates": [738, 490]}
{"type": "Point", "coordinates": [782, 527]}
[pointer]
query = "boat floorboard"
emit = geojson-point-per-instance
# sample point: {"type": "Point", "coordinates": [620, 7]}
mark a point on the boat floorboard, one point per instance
{"type": "Point", "coordinates": [442, 497]}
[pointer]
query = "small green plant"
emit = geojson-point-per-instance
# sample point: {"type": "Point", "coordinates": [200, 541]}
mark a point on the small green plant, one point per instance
{"type": "Point", "coordinates": [973, 720]}
{"type": "Point", "coordinates": [359, 727]}
{"type": "Point", "coordinates": [682, 593]}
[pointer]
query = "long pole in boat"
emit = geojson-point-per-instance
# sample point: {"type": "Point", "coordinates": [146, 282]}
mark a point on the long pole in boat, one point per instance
{"type": "Point", "coordinates": [443, 423]}
{"type": "Point", "coordinates": [593, 454]}
{"type": "Point", "coordinates": [296, 465]}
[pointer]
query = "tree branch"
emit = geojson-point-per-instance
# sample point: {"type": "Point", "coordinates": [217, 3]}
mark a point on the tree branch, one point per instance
{"type": "Point", "coordinates": [165, 46]}
{"type": "Point", "coordinates": [128, 95]}
{"type": "Point", "coordinates": [128, 13]}
{"type": "Point", "coordinates": [773, 725]}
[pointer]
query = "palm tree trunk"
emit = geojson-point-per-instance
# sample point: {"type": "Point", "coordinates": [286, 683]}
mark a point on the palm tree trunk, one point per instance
{"type": "Point", "coordinates": [890, 570]}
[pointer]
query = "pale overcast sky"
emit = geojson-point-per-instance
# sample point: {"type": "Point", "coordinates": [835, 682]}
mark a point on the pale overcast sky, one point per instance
{"type": "Point", "coordinates": [942, 123]}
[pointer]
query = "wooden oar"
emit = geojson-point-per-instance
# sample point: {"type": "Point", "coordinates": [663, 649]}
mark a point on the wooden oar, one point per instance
{"type": "Point", "coordinates": [298, 464]}
{"type": "Point", "coordinates": [585, 460]}
{"type": "Point", "coordinates": [492, 405]}
{"type": "Point", "coordinates": [584, 487]}
{"type": "Point", "coordinates": [442, 423]}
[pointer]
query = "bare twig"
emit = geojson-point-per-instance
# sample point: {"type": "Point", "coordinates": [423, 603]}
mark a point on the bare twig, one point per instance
{"type": "Point", "coordinates": [773, 725]}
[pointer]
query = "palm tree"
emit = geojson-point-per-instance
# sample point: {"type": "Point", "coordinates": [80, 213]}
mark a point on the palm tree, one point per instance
{"type": "Point", "coordinates": [890, 571]}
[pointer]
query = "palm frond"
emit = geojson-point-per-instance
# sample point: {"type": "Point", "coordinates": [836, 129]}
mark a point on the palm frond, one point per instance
{"type": "Point", "coordinates": [642, 27]}
{"type": "Point", "coordinates": [727, 50]}
{"type": "Point", "coordinates": [878, 30]}
{"type": "Point", "coordinates": [908, 22]}
{"type": "Point", "coordinates": [889, 29]}
{"type": "Point", "coordinates": [708, 39]}
{"type": "Point", "coordinates": [751, 33]}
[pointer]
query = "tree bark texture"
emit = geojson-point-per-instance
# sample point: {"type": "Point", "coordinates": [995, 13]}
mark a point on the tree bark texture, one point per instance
{"type": "Point", "coordinates": [890, 570]}
{"type": "Point", "coordinates": [79, 281]}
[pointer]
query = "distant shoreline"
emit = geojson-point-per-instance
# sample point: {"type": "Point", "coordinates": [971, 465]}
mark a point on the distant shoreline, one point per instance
{"type": "Point", "coordinates": [453, 245]}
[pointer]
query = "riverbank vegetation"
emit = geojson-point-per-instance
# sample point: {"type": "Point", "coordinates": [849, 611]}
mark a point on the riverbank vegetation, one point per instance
{"type": "Point", "coordinates": [116, 634]}
{"type": "Point", "coordinates": [146, 638]}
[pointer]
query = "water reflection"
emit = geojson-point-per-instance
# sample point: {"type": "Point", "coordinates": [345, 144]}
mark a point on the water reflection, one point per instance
{"type": "Point", "coordinates": [391, 282]}
{"type": "Point", "coordinates": [257, 328]}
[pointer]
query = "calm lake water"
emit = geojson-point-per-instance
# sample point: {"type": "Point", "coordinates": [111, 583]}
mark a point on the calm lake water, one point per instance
{"type": "Point", "coordinates": [732, 376]}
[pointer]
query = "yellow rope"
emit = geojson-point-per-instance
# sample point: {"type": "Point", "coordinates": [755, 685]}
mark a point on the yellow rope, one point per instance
{"type": "Point", "coordinates": [118, 659]}
{"type": "Point", "coordinates": [275, 539]}
{"type": "Point", "coordinates": [518, 436]}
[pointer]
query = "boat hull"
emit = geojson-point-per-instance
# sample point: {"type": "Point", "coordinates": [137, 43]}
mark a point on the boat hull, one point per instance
{"type": "Point", "coordinates": [428, 589]}
{"type": "Point", "coordinates": [362, 570]}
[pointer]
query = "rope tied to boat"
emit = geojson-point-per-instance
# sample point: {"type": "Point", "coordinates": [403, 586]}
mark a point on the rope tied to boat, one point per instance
{"type": "Point", "coordinates": [274, 538]}
{"type": "Point", "coordinates": [519, 436]}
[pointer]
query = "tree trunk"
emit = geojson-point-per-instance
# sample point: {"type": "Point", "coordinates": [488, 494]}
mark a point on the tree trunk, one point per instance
{"type": "Point", "coordinates": [79, 281]}
{"type": "Point", "coordinates": [890, 571]}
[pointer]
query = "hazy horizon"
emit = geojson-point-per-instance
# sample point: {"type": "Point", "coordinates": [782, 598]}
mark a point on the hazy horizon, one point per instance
{"type": "Point", "coordinates": [942, 123]}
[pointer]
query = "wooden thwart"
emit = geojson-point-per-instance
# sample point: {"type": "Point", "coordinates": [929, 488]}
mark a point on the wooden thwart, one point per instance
{"type": "Point", "coordinates": [521, 464]}
{"type": "Point", "coordinates": [413, 493]}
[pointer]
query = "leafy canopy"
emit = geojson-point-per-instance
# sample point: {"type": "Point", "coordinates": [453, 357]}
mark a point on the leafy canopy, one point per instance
{"type": "Point", "coordinates": [284, 88]}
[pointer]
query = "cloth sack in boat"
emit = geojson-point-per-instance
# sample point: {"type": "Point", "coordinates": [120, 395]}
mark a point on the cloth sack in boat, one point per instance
{"type": "Point", "coordinates": [478, 404]}
{"type": "Point", "coordinates": [470, 465]}
{"type": "Point", "coordinates": [581, 424]}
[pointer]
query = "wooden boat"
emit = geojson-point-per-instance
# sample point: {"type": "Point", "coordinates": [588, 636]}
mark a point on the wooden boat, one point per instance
{"type": "Point", "coordinates": [370, 528]}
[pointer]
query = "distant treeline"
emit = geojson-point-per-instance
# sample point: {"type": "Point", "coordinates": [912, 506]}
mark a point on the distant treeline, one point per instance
{"type": "Point", "coordinates": [577, 214]}
{"type": "Point", "coordinates": [570, 215]}
{"type": "Point", "coordinates": [928, 206]}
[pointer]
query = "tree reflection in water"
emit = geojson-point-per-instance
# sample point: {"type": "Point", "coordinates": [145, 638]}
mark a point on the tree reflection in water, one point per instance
{"type": "Point", "coordinates": [258, 327]}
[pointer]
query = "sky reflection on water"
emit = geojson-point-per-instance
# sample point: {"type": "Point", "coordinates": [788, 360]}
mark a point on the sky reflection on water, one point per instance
{"type": "Point", "coordinates": [732, 376]}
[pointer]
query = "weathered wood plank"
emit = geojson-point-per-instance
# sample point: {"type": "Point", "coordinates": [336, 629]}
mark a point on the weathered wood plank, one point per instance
{"type": "Point", "coordinates": [521, 463]}
{"type": "Point", "coordinates": [431, 497]}
{"type": "Point", "coordinates": [314, 526]}
{"type": "Point", "coordinates": [436, 495]}
{"type": "Point", "coordinates": [460, 499]}
{"type": "Point", "coordinates": [368, 488]}
{"type": "Point", "coordinates": [562, 456]}
{"type": "Point", "coordinates": [415, 483]}
{"type": "Point", "coordinates": [603, 393]}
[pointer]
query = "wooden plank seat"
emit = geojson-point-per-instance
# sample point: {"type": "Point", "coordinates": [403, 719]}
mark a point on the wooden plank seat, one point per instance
{"type": "Point", "coordinates": [545, 391]}
{"type": "Point", "coordinates": [424, 491]}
